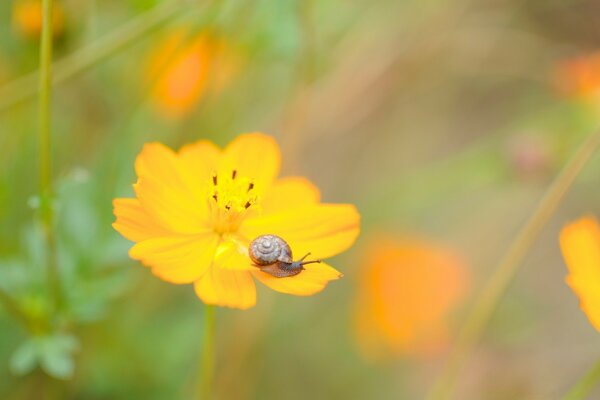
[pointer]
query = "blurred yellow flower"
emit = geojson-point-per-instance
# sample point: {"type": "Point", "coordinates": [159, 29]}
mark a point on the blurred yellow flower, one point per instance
{"type": "Point", "coordinates": [407, 288]}
{"type": "Point", "coordinates": [27, 18]}
{"type": "Point", "coordinates": [580, 245]}
{"type": "Point", "coordinates": [579, 77]}
{"type": "Point", "coordinates": [184, 67]}
{"type": "Point", "coordinates": [197, 210]}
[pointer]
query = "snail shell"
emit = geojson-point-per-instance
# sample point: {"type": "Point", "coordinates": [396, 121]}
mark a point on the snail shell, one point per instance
{"type": "Point", "coordinates": [273, 255]}
{"type": "Point", "coordinates": [268, 249]}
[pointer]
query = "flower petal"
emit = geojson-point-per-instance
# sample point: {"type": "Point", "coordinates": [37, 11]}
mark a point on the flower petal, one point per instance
{"type": "Point", "coordinates": [201, 159]}
{"type": "Point", "coordinates": [170, 193]}
{"type": "Point", "coordinates": [580, 244]}
{"type": "Point", "coordinates": [290, 192]}
{"type": "Point", "coordinates": [233, 255]}
{"type": "Point", "coordinates": [255, 156]}
{"type": "Point", "coordinates": [310, 281]}
{"type": "Point", "coordinates": [134, 222]}
{"type": "Point", "coordinates": [323, 230]}
{"type": "Point", "coordinates": [177, 259]}
{"type": "Point", "coordinates": [226, 288]}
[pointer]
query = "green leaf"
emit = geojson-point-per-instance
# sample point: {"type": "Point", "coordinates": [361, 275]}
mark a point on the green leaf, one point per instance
{"type": "Point", "coordinates": [58, 365]}
{"type": "Point", "coordinates": [56, 355]}
{"type": "Point", "coordinates": [24, 359]}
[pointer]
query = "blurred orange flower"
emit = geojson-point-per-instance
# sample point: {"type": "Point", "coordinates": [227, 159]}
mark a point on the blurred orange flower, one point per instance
{"type": "Point", "coordinates": [197, 210]}
{"type": "Point", "coordinates": [407, 288]}
{"type": "Point", "coordinates": [185, 67]}
{"type": "Point", "coordinates": [27, 18]}
{"type": "Point", "coordinates": [580, 245]}
{"type": "Point", "coordinates": [580, 77]}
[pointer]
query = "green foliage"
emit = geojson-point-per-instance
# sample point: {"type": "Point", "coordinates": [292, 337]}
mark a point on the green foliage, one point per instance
{"type": "Point", "coordinates": [53, 354]}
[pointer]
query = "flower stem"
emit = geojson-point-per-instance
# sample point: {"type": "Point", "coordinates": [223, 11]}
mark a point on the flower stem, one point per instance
{"type": "Point", "coordinates": [207, 358]}
{"type": "Point", "coordinates": [505, 271]}
{"type": "Point", "coordinates": [45, 152]}
{"type": "Point", "coordinates": [581, 390]}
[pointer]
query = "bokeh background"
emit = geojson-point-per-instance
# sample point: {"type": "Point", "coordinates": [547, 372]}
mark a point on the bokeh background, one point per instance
{"type": "Point", "coordinates": [443, 121]}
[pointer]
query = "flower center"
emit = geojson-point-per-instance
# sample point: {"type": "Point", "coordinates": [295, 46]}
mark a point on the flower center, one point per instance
{"type": "Point", "coordinates": [231, 197]}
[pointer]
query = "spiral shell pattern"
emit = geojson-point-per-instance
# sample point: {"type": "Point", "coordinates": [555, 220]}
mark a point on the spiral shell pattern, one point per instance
{"type": "Point", "coordinates": [269, 249]}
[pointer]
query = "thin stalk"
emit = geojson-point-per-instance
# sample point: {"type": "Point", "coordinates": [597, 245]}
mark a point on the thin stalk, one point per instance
{"type": "Point", "coordinates": [207, 358]}
{"type": "Point", "coordinates": [25, 87]}
{"type": "Point", "coordinates": [582, 389]}
{"type": "Point", "coordinates": [45, 151]}
{"type": "Point", "coordinates": [505, 271]}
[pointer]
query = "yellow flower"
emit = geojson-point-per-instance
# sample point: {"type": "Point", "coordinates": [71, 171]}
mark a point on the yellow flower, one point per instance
{"type": "Point", "coordinates": [27, 18]}
{"type": "Point", "coordinates": [407, 289]}
{"type": "Point", "coordinates": [186, 68]}
{"type": "Point", "coordinates": [580, 245]}
{"type": "Point", "coordinates": [197, 210]}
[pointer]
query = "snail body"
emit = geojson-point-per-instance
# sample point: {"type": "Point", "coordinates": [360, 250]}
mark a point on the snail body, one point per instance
{"type": "Point", "coordinates": [273, 255]}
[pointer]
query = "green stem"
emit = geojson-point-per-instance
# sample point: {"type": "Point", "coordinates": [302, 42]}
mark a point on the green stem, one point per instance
{"type": "Point", "coordinates": [45, 151]}
{"type": "Point", "coordinates": [207, 358]}
{"type": "Point", "coordinates": [581, 390]}
{"type": "Point", "coordinates": [505, 271]}
{"type": "Point", "coordinates": [24, 88]}
{"type": "Point", "coordinates": [44, 83]}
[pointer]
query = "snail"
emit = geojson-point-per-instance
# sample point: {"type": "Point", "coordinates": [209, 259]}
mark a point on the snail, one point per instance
{"type": "Point", "coordinates": [273, 255]}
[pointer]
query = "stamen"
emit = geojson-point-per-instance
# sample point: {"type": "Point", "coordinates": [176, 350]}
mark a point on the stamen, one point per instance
{"type": "Point", "coordinates": [233, 196]}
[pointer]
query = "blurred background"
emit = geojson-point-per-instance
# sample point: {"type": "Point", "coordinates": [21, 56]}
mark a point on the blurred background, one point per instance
{"type": "Point", "coordinates": [443, 121]}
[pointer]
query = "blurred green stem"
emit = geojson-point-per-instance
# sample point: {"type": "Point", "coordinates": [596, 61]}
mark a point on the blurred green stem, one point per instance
{"type": "Point", "coordinates": [207, 358]}
{"type": "Point", "coordinates": [582, 389]}
{"type": "Point", "coordinates": [45, 151]}
{"type": "Point", "coordinates": [505, 271]}
{"type": "Point", "coordinates": [23, 88]}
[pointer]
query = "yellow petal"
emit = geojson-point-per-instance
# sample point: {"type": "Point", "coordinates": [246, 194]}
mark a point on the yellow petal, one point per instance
{"type": "Point", "coordinates": [170, 193]}
{"type": "Point", "coordinates": [226, 288]}
{"type": "Point", "coordinates": [580, 244]}
{"type": "Point", "coordinates": [177, 259]}
{"type": "Point", "coordinates": [310, 281]}
{"type": "Point", "coordinates": [233, 255]}
{"type": "Point", "coordinates": [201, 159]}
{"type": "Point", "coordinates": [288, 193]}
{"type": "Point", "coordinates": [323, 230]}
{"type": "Point", "coordinates": [134, 222]}
{"type": "Point", "coordinates": [255, 156]}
